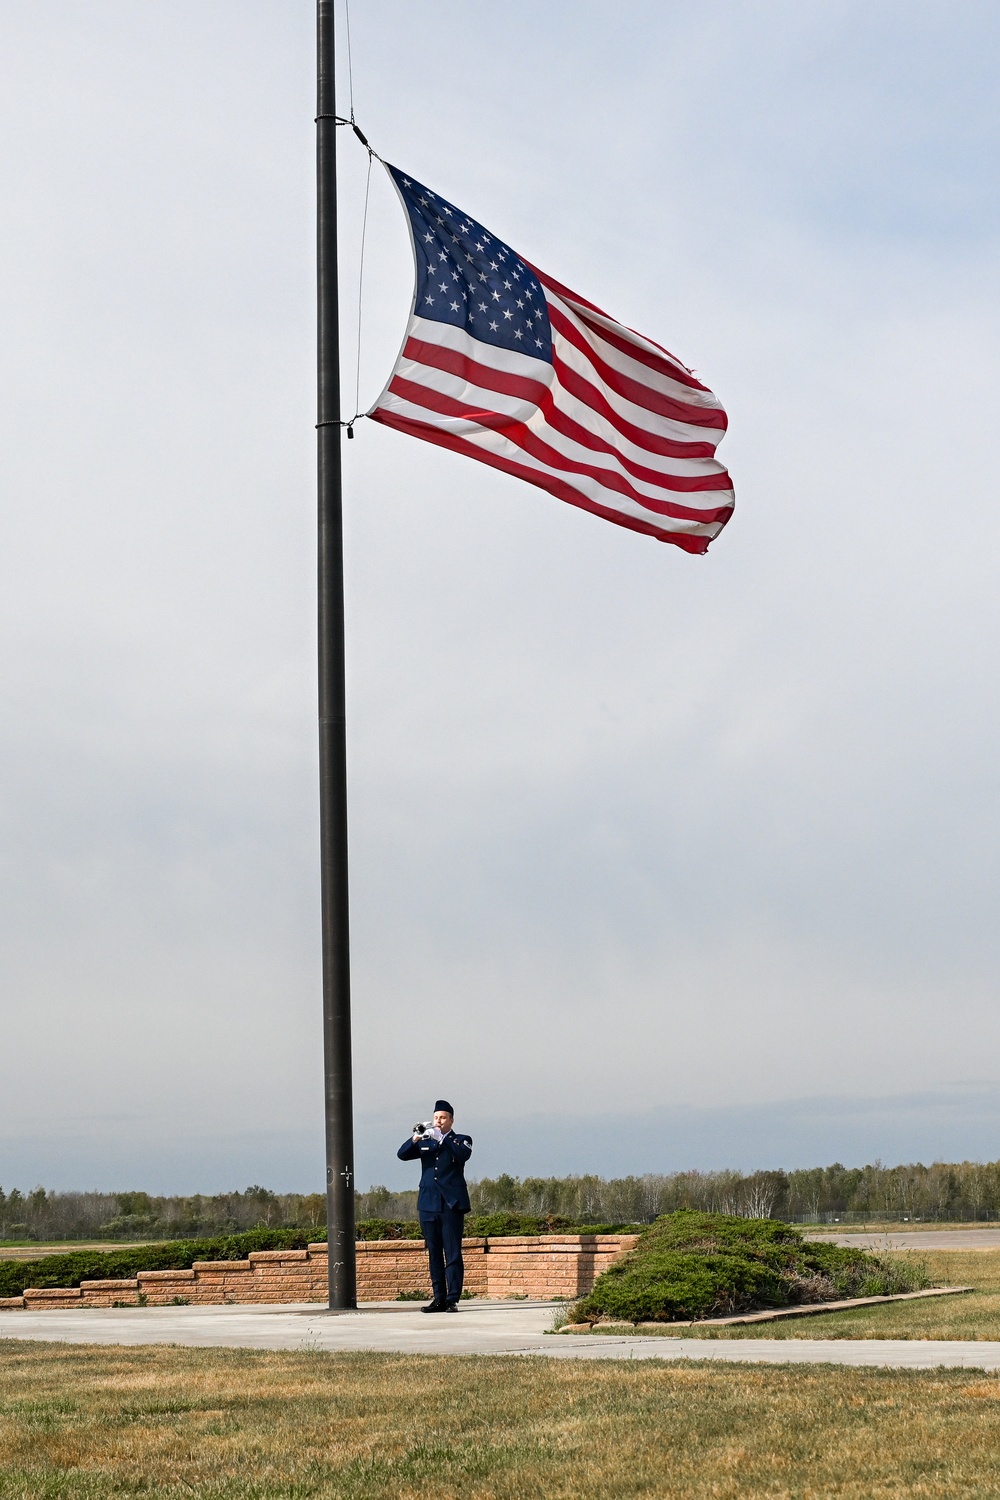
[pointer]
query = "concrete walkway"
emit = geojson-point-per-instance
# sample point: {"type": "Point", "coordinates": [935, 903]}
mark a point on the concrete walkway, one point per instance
{"type": "Point", "coordinates": [483, 1328]}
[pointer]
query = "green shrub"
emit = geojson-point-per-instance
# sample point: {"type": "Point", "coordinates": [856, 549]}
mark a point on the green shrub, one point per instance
{"type": "Point", "coordinates": [696, 1265]}
{"type": "Point", "coordinates": [503, 1224]}
{"type": "Point", "coordinates": [385, 1229]}
{"type": "Point", "coordinates": [482, 1226]}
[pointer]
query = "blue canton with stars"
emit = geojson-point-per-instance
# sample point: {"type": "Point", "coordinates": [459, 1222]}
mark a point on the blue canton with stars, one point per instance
{"type": "Point", "coordinates": [471, 279]}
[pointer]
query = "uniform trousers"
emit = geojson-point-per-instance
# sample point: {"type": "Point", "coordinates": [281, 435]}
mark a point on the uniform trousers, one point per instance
{"type": "Point", "coordinates": [442, 1234]}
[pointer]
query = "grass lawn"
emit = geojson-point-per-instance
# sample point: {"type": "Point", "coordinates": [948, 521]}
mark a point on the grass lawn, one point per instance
{"type": "Point", "coordinates": [229, 1424]}
{"type": "Point", "coordinates": [976, 1315]}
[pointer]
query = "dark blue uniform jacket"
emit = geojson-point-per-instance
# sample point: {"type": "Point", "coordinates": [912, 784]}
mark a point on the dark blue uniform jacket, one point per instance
{"type": "Point", "coordinates": [442, 1172]}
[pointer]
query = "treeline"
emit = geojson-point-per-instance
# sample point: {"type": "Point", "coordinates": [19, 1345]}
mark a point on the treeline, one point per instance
{"type": "Point", "coordinates": [39, 1215]}
{"type": "Point", "coordinates": [943, 1191]}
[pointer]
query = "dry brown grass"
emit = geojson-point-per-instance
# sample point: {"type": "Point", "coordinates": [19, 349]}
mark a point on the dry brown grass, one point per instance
{"type": "Point", "coordinates": [162, 1423]}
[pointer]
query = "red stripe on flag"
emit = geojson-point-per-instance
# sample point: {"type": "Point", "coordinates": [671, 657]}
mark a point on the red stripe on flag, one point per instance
{"type": "Point", "coordinates": [648, 357]}
{"type": "Point", "coordinates": [571, 428]}
{"type": "Point", "coordinates": [534, 444]}
{"type": "Point", "coordinates": [589, 395]}
{"type": "Point", "coordinates": [557, 487]}
{"type": "Point", "coordinates": [486, 377]}
{"type": "Point", "coordinates": [674, 368]}
{"type": "Point", "coordinates": [564, 291]}
{"type": "Point", "coordinates": [563, 423]}
{"type": "Point", "coordinates": [633, 390]}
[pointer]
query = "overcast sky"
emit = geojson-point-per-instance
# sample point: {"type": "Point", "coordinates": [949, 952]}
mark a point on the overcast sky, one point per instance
{"type": "Point", "coordinates": [658, 861]}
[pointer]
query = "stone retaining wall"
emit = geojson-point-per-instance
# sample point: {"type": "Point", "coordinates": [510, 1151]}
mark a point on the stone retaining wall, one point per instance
{"type": "Point", "coordinates": [540, 1267]}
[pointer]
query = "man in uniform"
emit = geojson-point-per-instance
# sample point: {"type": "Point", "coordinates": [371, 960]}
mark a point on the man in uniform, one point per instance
{"type": "Point", "coordinates": [442, 1202]}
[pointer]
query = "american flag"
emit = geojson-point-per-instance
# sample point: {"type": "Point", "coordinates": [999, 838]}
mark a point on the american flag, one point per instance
{"type": "Point", "coordinates": [505, 365]}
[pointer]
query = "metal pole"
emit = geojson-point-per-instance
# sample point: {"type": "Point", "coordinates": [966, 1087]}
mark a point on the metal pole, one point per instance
{"type": "Point", "coordinates": [332, 721]}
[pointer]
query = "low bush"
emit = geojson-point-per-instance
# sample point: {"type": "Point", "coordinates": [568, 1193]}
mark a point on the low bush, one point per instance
{"type": "Point", "coordinates": [492, 1226]}
{"type": "Point", "coordinates": [384, 1229]}
{"type": "Point", "coordinates": [697, 1265]}
{"type": "Point", "coordinates": [489, 1226]}
{"type": "Point", "coordinates": [503, 1224]}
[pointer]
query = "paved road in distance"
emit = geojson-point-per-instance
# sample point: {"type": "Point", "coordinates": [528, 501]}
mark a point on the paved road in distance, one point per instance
{"type": "Point", "coordinates": [918, 1239]}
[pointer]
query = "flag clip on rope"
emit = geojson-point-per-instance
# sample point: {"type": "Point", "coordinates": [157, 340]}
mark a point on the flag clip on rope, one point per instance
{"type": "Point", "coordinates": [505, 365]}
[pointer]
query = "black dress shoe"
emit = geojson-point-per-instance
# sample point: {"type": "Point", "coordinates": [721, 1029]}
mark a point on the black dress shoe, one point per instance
{"type": "Point", "coordinates": [435, 1307]}
{"type": "Point", "coordinates": [450, 1307]}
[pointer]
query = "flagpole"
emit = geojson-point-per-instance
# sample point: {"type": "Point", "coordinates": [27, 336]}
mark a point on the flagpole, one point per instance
{"type": "Point", "coordinates": [339, 1107]}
